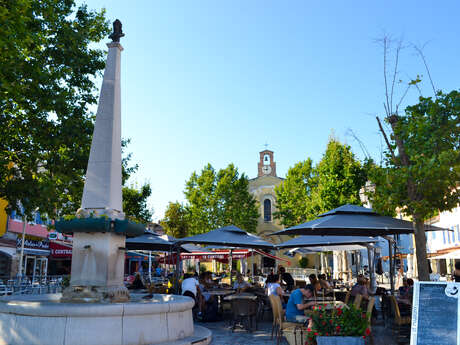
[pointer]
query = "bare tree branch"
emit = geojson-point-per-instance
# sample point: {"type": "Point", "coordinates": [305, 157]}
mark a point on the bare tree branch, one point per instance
{"type": "Point", "coordinates": [385, 53]}
{"type": "Point", "coordinates": [386, 139]}
{"type": "Point", "coordinates": [403, 96]}
{"type": "Point", "coordinates": [422, 56]}
{"type": "Point", "coordinates": [398, 49]}
{"type": "Point", "coordinates": [361, 144]}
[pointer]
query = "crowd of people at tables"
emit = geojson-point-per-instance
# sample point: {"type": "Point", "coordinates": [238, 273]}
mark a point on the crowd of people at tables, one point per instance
{"type": "Point", "coordinates": [280, 284]}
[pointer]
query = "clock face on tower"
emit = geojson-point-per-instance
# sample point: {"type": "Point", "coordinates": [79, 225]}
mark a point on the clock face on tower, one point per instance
{"type": "Point", "coordinates": [266, 169]}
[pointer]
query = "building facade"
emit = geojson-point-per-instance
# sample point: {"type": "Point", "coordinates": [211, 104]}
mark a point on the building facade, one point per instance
{"type": "Point", "coordinates": [262, 188]}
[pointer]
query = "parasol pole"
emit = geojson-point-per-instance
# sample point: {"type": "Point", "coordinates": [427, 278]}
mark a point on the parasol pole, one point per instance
{"type": "Point", "coordinates": [150, 265]}
{"type": "Point", "coordinates": [390, 254]}
{"type": "Point", "coordinates": [230, 264]}
{"type": "Point", "coordinates": [177, 270]}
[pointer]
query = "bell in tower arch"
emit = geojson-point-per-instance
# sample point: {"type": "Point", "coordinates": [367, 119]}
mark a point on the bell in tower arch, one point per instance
{"type": "Point", "coordinates": [266, 159]}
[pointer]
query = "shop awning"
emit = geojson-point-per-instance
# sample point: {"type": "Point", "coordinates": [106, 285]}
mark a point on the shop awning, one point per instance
{"type": "Point", "coordinates": [9, 251]}
{"type": "Point", "coordinates": [38, 252]}
{"type": "Point", "coordinates": [60, 251]}
{"type": "Point", "coordinates": [452, 255]}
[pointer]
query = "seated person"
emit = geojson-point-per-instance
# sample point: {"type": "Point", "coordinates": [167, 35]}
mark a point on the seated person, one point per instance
{"type": "Point", "coordinates": [191, 287]}
{"type": "Point", "coordinates": [313, 279]}
{"type": "Point", "coordinates": [205, 296]}
{"type": "Point", "coordinates": [360, 287]}
{"type": "Point", "coordinates": [137, 283]}
{"type": "Point", "coordinates": [456, 275]}
{"type": "Point", "coordinates": [403, 289]}
{"type": "Point", "coordinates": [324, 283]}
{"type": "Point", "coordinates": [240, 285]}
{"type": "Point", "coordinates": [274, 287]}
{"type": "Point", "coordinates": [286, 278]}
{"type": "Point", "coordinates": [295, 307]}
{"type": "Point", "coordinates": [407, 296]}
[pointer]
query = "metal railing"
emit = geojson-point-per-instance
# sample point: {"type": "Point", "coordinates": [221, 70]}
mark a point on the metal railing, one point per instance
{"type": "Point", "coordinates": [29, 286]}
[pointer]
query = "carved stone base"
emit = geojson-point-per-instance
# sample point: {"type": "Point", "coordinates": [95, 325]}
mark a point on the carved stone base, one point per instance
{"type": "Point", "coordinates": [94, 294]}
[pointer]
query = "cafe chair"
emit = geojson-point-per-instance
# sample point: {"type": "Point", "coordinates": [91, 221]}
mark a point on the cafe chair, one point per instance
{"type": "Point", "coordinates": [370, 308]}
{"type": "Point", "coordinates": [357, 301]}
{"type": "Point", "coordinates": [242, 310]}
{"type": "Point", "coordinates": [401, 324]}
{"type": "Point", "coordinates": [347, 297]}
{"type": "Point", "coordinates": [279, 319]}
{"type": "Point", "coordinates": [264, 306]}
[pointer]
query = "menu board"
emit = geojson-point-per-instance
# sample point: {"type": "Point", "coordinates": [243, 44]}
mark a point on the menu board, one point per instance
{"type": "Point", "coordinates": [435, 314]}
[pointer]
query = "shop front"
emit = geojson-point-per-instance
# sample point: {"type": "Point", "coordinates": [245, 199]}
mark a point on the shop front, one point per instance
{"type": "Point", "coordinates": [60, 258]}
{"type": "Point", "coordinates": [35, 260]}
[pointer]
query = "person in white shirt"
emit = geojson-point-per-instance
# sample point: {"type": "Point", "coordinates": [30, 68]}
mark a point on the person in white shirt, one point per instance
{"type": "Point", "coordinates": [190, 287]}
{"type": "Point", "coordinates": [274, 287]}
{"type": "Point", "coordinates": [240, 285]}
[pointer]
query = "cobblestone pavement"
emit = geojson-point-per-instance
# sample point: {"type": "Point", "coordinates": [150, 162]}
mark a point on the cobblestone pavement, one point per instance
{"type": "Point", "coordinates": [222, 334]}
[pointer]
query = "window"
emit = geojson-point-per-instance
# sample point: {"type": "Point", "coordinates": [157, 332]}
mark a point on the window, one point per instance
{"type": "Point", "coordinates": [458, 232]}
{"type": "Point", "coordinates": [38, 218]}
{"type": "Point", "coordinates": [433, 235]}
{"type": "Point", "coordinates": [267, 210]}
{"type": "Point", "coordinates": [444, 237]}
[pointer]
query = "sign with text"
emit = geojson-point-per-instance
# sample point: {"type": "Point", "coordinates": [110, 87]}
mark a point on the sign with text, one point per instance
{"type": "Point", "coordinates": [435, 314]}
{"type": "Point", "coordinates": [33, 242]}
{"type": "Point", "coordinates": [60, 251]}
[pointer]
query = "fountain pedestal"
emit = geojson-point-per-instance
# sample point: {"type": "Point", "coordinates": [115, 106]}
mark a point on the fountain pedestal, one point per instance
{"type": "Point", "coordinates": [97, 269]}
{"type": "Point", "coordinates": [98, 256]}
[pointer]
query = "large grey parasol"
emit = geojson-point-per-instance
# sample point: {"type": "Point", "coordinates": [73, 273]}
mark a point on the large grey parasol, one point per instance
{"type": "Point", "coordinates": [352, 220]}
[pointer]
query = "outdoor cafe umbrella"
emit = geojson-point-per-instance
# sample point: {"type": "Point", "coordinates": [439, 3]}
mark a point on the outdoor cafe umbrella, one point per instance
{"type": "Point", "coordinates": [326, 243]}
{"type": "Point", "coordinates": [231, 236]}
{"type": "Point", "coordinates": [148, 241]}
{"type": "Point", "coordinates": [352, 220]}
{"type": "Point", "coordinates": [151, 242]}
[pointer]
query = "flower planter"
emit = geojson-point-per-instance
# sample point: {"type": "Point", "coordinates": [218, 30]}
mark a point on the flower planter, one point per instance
{"type": "Point", "coordinates": [340, 340]}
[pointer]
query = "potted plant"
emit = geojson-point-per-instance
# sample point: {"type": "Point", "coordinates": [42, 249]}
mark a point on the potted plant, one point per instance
{"type": "Point", "coordinates": [345, 326]}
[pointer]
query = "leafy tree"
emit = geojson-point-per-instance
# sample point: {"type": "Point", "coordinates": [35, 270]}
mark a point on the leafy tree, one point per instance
{"type": "Point", "coordinates": [338, 178]}
{"type": "Point", "coordinates": [422, 167]}
{"type": "Point", "coordinates": [134, 200]}
{"type": "Point", "coordinates": [46, 84]}
{"type": "Point", "coordinates": [294, 195]}
{"type": "Point", "coordinates": [421, 171]}
{"type": "Point", "coordinates": [219, 199]}
{"type": "Point", "coordinates": [175, 222]}
{"type": "Point", "coordinates": [135, 203]}
{"type": "Point", "coordinates": [334, 181]}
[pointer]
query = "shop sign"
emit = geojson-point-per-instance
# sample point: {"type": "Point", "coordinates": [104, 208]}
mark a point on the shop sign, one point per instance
{"type": "Point", "coordinates": [60, 251]}
{"type": "Point", "coordinates": [33, 242]}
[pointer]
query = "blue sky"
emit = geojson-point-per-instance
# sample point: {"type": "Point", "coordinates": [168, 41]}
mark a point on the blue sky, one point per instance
{"type": "Point", "coordinates": [213, 81]}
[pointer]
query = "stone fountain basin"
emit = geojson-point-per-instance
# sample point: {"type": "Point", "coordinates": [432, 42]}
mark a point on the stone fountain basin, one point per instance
{"type": "Point", "coordinates": [44, 320]}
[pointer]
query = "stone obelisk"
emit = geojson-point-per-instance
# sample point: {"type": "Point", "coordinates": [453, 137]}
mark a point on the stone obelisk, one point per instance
{"type": "Point", "coordinates": [98, 257]}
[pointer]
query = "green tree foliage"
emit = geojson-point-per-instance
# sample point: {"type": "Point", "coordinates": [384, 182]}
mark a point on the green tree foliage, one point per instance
{"type": "Point", "coordinates": [134, 199]}
{"type": "Point", "coordinates": [338, 178]}
{"type": "Point", "coordinates": [135, 203]}
{"type": "Point", "coordinates": [309, 191]}
{"type": "Point", "coordinates": [421, 172]}
{"type": "Point", "coordinates": [216, 199]}
{"type": "Point", "coordinates": [46, 85]}
{"type": "Point", "coordinates": [294, 195]}
{"type": "Point", "coordinates": [175, 221]}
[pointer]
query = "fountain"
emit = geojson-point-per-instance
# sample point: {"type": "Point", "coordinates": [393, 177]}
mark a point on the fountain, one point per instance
{"type": "Point", "coordinates": [97, 308]}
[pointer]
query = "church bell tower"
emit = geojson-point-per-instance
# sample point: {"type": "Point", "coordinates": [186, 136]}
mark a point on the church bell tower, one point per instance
{"type": "Point", "coordinates": [266, 165]}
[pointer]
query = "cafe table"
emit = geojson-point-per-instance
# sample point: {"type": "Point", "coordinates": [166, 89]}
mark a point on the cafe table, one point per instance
{"type": "Point", "coordinates": [328, 305]}
{"type": "Point", "coordinates": [220, 294]}
{"type": "Point", "coordinates": [243, 295]}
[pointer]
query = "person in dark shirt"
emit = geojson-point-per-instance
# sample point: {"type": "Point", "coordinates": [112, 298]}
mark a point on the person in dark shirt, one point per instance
{"type": "Point", "coordinates": [137, 283]}
{"type": "Point", "coordinates": [313, 279]}
{"type": "Point", "coordinates": [286, 278]}
{"type": "Point", "coordinates": [457, 272]}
